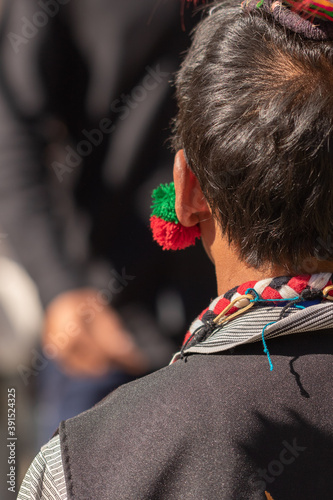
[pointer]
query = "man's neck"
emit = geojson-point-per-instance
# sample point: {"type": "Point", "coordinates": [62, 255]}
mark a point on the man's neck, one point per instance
{"type": "Point", "coordinates": [231, 272]}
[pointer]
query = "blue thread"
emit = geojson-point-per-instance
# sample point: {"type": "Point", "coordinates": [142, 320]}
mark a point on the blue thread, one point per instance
{"type": "Point", "coordinates": [257, 297]}
{"type": "Point", "coordinates": [266, 351]}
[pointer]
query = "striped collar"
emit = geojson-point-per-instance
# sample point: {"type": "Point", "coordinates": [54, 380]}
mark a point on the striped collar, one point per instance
{"type": "Point", "coordinates": [264, 320]}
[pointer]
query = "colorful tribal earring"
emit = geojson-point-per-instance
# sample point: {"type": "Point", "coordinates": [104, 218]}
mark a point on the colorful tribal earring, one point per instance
{"type": "Point", "coordinates": [167, 231]}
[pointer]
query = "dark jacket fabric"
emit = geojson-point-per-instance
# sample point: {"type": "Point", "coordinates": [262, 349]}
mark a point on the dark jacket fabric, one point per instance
{"type": "Point", "coordinates": [216, 426]}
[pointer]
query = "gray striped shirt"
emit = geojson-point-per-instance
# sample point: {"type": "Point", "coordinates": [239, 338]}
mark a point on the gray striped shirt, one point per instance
{"type": "Point", "coordinates": [45, 478]}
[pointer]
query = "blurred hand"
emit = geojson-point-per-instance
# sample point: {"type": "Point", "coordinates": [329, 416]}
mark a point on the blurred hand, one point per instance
{"type": "Point", "coordinates": [87, 337]}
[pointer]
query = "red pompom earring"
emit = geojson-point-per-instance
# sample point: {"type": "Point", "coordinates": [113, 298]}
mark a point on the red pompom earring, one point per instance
{"type": "Point", "coordinates": [167, 231]}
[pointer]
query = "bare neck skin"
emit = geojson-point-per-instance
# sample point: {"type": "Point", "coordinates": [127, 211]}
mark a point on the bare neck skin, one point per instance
{"type": "Point", "coordinates": [231, 271]}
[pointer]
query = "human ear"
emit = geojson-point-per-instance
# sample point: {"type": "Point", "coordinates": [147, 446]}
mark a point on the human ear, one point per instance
{"type": "Point", "coordinates": [191, 205]}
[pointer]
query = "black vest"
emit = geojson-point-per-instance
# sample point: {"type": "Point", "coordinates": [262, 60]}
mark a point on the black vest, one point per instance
{"type": "Point", "coordinates": [214, 427]}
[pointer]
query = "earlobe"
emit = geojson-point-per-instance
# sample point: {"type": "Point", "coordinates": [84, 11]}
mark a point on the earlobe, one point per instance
{"type": "Point", "coordinates": [172, 231]}
{"type": "Point", "coordinates": [191, 205]}
{"type": "Point", "coordinates": [167, 231]}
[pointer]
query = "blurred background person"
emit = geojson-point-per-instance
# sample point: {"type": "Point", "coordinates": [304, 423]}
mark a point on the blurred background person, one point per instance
{"type": "Point", "coordinates": [85, 109]}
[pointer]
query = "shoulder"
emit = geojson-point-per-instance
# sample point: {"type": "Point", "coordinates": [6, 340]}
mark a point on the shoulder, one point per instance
{"type": "Point", "coordinates": [160, 391]}
{"type": "Point", "coordinates": [181, 399]}
{"type": "Point", "coordinates": [205, 383]}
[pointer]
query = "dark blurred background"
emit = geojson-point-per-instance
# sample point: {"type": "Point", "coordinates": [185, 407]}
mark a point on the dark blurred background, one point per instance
{"type": "Point", "coordinates": [86, 101]}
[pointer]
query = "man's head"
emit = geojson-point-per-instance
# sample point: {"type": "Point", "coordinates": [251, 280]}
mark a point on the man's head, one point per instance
{"type": "Point", "coordinates": [256, 122]}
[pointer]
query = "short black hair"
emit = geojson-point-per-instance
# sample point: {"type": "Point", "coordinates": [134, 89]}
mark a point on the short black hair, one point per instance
{"type": "Point", "coordinates": [255, 120]}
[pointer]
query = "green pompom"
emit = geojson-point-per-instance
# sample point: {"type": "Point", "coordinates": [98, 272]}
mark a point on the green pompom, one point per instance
{"type": "Point", "coordinates": [164, 198]}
